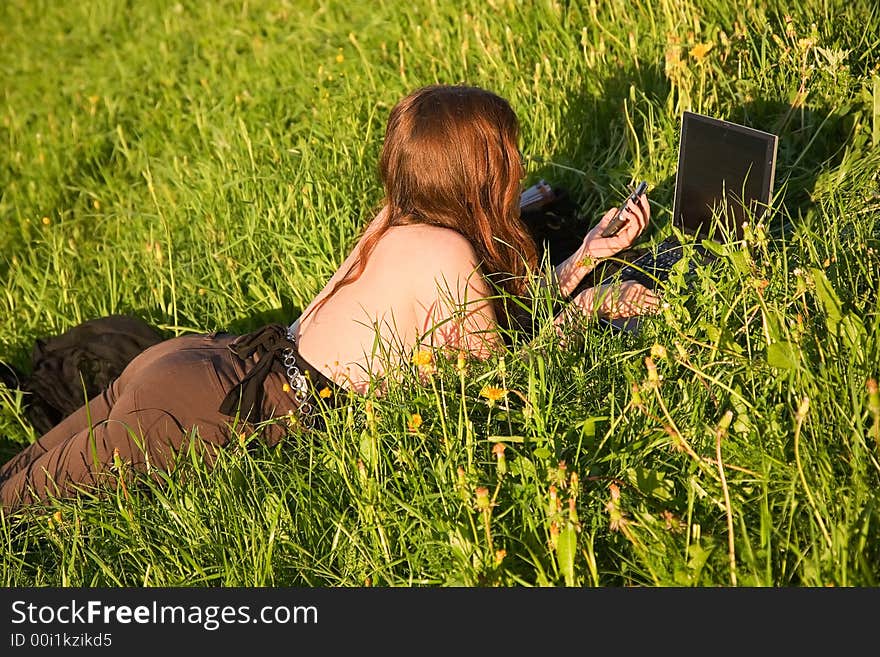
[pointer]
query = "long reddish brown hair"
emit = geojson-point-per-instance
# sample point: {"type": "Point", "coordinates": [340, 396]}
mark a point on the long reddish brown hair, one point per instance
{"type": "Point", "coordinates": [451, 159]}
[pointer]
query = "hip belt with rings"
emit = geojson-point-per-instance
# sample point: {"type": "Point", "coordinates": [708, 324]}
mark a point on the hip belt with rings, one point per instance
{"type": "Point", "coordinates": [276, 347]}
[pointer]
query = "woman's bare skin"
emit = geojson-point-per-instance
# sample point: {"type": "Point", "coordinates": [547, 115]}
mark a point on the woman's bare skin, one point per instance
{"type": "Point", "coordinates": [414, 281]}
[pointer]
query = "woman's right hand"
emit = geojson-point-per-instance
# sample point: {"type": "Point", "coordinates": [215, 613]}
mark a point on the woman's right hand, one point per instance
{"type": "Point", "coordinates": [637, 215]}
{"type": "Point", "coordinates": [595, 247]}
{"type": "Point", "coordinates": [618, 300]}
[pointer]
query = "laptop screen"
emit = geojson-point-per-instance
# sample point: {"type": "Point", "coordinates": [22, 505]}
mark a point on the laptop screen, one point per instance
{"type": "Point", "coordinates": [726, 171]}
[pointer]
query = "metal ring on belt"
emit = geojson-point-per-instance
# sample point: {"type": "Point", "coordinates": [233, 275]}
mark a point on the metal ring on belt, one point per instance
{"type": "Point", "coordinates": [299, 384]}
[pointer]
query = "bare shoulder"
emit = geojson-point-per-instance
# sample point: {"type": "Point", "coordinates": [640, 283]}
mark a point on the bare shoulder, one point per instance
{"type": "Point", "coordinates": [434, 245]}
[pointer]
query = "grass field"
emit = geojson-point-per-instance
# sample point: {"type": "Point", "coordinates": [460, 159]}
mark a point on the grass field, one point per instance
{"type": "Point", "coordinates": [206, 166]}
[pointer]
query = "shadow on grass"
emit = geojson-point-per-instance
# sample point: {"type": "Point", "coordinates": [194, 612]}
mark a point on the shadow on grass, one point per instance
{"type": "Point", "coordinates": [595, 139]}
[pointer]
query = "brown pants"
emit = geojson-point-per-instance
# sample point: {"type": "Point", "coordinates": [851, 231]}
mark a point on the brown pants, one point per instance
{"type": "Point", "coordinates": [165, 400]}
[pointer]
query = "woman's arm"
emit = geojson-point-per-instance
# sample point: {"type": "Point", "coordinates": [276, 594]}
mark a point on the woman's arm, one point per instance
{"type": "Point", "coordinates": [610, 301]}
{"type": "Point", "coordinates": [594, 247]}
{"type": "Point", "coordinates": [462, 318]}
{"type": "Point", "coordinates": [459, 315]}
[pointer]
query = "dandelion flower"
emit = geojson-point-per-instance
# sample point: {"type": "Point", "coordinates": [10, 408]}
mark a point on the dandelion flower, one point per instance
{"type": "Point", "coordinates": [415, 421]}
{"type": "Point", "coordinates": [700, 50]}
{"type": "Point", "coordinates": [461, 362]}
{"type": "Point", "coordinates": [586, 262]}
{"type": "Point", "coordinates": [422, 358]}
{"type": "Point", "coordinates": [493, 393]}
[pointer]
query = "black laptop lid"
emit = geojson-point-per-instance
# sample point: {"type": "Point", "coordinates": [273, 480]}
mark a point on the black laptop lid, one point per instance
{"type": "Point", "coordinates": [725, 169]}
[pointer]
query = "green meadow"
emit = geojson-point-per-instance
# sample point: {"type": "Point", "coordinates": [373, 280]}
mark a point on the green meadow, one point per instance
{"type": "Point", "coordinates": [207, 165]}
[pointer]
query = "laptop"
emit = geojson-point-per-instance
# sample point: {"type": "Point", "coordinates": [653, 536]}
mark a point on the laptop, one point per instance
{"type": "Point", "coordinates": [724, 178]}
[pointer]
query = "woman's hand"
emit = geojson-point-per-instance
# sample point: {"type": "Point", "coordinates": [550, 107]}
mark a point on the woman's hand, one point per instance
{"type": "Point", "coordinates": [571, 271]}
{"type": "Point", "coordinates": [636, 215]}
{"type": "Point", "coordinates": [616, 300]}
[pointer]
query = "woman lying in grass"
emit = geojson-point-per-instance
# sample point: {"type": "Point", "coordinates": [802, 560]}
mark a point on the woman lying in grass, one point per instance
{"type": "Point", "coordinates": [420, 276]}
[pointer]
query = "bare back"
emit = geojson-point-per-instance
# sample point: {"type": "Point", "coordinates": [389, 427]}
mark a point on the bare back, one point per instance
{"type": "Point", "coordinates": [414, 280]}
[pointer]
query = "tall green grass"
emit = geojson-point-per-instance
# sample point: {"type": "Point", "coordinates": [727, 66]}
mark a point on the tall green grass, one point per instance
{"type": "Point", "coordinates": [207, 165]}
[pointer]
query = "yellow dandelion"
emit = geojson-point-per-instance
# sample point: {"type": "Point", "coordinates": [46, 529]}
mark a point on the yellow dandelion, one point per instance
{"type": "Point", "coordinates": [806, 43]}
{"type": "Point", "coordinates": [286, 387]}
{"type": "Point", "coordinates": [340, 58]}
{"type": "Point", "coordinates": [461, 362]}
{"type": "Point", "coordinates": [54, 520]}
{"type": "Point", "coordinates": [499, 556]}
{"type": "Point", "coordinates": [700, 50]}
{"type": "Point", "coordinates": [586, 262]}
{"type": "Point", "coordinates": [493, 393]}
{"type": "Point", "coordinates": [46, 221]}
{"type": "Point", "coordinates": [415, 421]}
{"type": "Point", "coordinates": [324, 392]}
{"type": "Point", "coordinates": [422, 358]}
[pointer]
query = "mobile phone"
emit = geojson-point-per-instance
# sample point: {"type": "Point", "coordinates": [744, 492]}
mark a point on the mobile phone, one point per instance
{"type": "Point", "coordinates": [617, 222]}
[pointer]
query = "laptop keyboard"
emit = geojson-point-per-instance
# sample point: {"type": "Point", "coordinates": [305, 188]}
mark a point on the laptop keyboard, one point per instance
{"type": "Point", "coordinates": [653, 266]}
